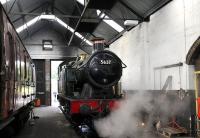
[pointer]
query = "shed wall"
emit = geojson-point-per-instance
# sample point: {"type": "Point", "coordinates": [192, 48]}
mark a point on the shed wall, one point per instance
{"type": "Point", "coordinates": [165, 40]}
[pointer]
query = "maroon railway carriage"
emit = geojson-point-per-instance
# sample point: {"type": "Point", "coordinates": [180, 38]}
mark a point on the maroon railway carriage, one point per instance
{"type": "Point", "coordinates": [17, 75]}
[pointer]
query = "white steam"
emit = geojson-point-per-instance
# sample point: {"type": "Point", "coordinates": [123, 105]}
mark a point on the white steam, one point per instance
{"type": "Point", "coordinates": [138, 114]}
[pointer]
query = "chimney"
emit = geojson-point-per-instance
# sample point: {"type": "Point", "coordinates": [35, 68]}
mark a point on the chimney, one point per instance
{"type": "Point", "coordinates": [99, 44]}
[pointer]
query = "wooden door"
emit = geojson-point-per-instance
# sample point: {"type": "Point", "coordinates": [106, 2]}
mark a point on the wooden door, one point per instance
{"type": "Point", "coordinates": [40, 80]}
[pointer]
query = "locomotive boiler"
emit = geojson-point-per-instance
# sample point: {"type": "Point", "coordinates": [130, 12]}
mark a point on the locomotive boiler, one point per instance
{"type": "Point", "coordinates": [89, 86]}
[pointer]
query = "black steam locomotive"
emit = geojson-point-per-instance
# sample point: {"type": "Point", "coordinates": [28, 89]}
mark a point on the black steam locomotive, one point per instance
{"type": "Point", "coordinates": [89, 86]}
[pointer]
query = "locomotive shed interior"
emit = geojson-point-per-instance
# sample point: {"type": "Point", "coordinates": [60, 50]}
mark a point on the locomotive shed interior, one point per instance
{"type": "Point", "coordinates": [99, 68]}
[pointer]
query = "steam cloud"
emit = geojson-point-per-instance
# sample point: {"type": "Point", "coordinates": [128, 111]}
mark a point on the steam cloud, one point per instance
{"type": "Point", "coordinates": [126, 122]}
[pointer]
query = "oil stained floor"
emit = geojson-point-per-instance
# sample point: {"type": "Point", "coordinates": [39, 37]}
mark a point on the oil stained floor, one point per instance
{"type": "Point", "coordinates": [51, 124]}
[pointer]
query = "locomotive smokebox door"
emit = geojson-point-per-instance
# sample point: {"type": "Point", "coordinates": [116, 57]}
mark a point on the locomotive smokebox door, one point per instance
{"type": "Point", "coordinates": [104, 67]}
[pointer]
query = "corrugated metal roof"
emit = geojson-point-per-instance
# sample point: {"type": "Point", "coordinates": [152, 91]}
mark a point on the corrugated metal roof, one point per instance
{"type": "Point", "coordinates": [69, 11]}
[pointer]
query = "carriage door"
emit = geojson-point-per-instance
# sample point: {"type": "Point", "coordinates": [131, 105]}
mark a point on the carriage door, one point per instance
{"type": "Point", "coordinates": [10, 67]}
{"type": "Point", "coordinates": [40, 80]}
{"type": "Point", "coordinates": [1, 72]}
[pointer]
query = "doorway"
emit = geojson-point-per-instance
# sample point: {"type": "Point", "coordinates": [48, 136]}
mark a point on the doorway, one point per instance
{"type": "Point", "coordinates": [54, 82]}
{"type": "Point", "coordinates": [193, 58]}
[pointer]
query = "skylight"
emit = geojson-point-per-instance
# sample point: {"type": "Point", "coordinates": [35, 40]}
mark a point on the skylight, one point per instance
{"type": "Point", "coordinates": [110, 22]}
{"type": "Point", "coordinates": [72, 30]}
{"type": "Point", "coordinates": [26, 25]}
{"type": "Point", "coordinates": [4, 1]}
{"type": "Point", "coordinates": [52, 17]}
{"type": "Point", "coordinates": [81, 1]}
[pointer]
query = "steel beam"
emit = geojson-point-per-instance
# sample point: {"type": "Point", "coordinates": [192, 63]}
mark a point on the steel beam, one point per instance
{"type": "Point", "coordinates": [68, 16]}
{"type": "Point", "coordinates": [79, 9]}
{"type": "Point", "coordinates": [12, 6]}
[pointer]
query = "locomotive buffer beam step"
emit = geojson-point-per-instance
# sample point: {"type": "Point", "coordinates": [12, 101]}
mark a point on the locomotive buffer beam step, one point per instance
{"type": "Point", "coordinates": [171, 132]}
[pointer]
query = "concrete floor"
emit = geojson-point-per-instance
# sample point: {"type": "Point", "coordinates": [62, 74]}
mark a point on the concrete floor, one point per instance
{"type": "Point", "coordinates": [51, 124]}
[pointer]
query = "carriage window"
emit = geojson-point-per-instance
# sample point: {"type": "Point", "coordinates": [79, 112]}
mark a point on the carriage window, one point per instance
{"type": "Point", "coordinates": [29, 71]}
{"type": "Point", "coordinates": [11, 49]}
{"type": "Point", "coordinates": [16, 59]}
{"type": "Point", "coordinates": [22, 64]}
{"type": "Point", "coordinates": [25, 69]}
{"type": "Point", "coordinates": [1, 49]}
{"type": "Point", "coordinates": [33, 73]}
{"type": "Point", "coordinates": [18, 68]}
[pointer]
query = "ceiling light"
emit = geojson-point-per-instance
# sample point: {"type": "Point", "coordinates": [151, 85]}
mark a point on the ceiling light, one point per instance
{"type": "Point", "coordinates": [102, 14]}
{"type": "Point", "coordinates": [48, 17]}
{"type": "Point", "coordinates": [114, 25]}
{"type": "Point", "coordinates": [4, 1]}
{"type": "Point", "coordinates": [81, 1]}
{"type": "Point", "coordinates": [110, 22]}
{"type": "Point", "coordinates": [47, 45]}
{"type": "Point", "coordinates": [131, 22]}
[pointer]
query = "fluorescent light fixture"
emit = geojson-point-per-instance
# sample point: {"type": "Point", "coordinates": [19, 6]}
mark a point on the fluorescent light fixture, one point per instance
{"type": "Point", "coordinates": [131, 22]}
{"type": "Point", "coordinates": [114, 25]}
{"type": "Point", "coordinates": [99, 12]}
{"type": "Point", "coordinates": [4, 1]}
{"type": "Point", "coordinates": [52, 17]}
{"type": "Point", "coordinates": [110, 22]}
{"type": "Point", "coordinates": [64, 24]}
{"type": "Point", "coordinates": [29, 23]}
{"type": "Point", "coordinates": [81, 2]}
{"type": "Point", "coordinates": [48, 17]}
{"type": "Point", "coordinates": [47, 45]}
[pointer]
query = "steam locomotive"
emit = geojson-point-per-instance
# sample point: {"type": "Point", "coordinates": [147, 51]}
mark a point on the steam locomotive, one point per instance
{"type": "Point", "coordinates": [17, 78]}
{"type": "Point", "coordinates": [88, 86]}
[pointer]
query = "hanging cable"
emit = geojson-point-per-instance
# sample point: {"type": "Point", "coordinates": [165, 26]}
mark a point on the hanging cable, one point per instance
{"type": "Point", "coordinates": [185, 43]}
{"type": "Point", "coordinates": [180, 83]}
